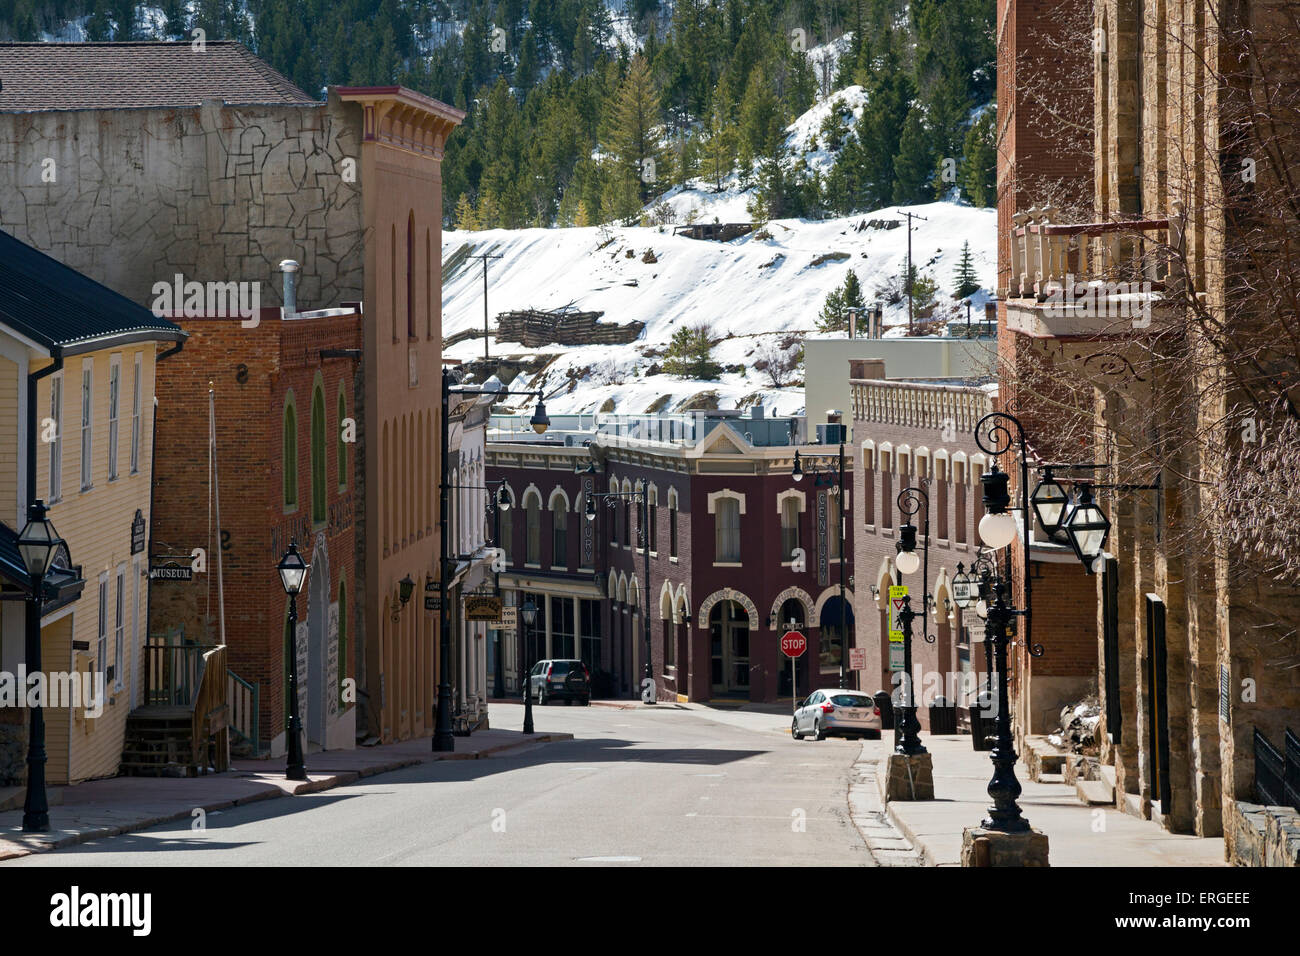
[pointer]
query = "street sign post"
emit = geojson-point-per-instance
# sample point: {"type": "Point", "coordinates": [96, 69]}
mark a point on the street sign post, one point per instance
{"type": "Point", "coordinates": [896, 594]}
{"type": "Point", "coordinates": [857, 658]}
{"type": "Point", "coordinates": [793, 645]}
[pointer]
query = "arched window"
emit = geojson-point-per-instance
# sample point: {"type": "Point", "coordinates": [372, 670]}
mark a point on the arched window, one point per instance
{"type": "Point", "coordinates": [727, 530]}
{"type": "Point", "coordinates": [559, 534]}
{"type": "Point", "coordinates": [318, 455]}
{"type": "Point", "coordinates": [341, 446]}
{"type": "Point", "coordinates": [289, 453]}
{"type": "Point", "coordinates": [410, 275]}
{"type": "Point", "coordinates": [343, 641]}
{"type": "Point", "coordinates": [789, 527]}
{"type": "Point", "coordinates": [533, 530]}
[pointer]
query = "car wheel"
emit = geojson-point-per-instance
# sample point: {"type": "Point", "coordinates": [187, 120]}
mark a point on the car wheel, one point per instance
{"type": "Point", "coordinates": [819, 732]}
{"type": "Point", "coordinates": [794, 729]}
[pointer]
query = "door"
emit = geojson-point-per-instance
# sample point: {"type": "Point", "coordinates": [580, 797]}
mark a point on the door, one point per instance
{"type": "Point", "coordinates": [729, 647]}
{"type": "Point", "coordinates": [1157, 703]}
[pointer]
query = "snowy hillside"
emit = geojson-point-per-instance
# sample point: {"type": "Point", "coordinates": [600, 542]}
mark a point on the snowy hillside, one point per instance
{"type": "Point", "coordinates": [754, 293]}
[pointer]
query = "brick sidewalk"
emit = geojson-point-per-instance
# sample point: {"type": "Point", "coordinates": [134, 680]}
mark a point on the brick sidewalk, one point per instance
{"type": "Point", "coordinates": [1077, 835]}
{"type": "Point", "coordinates": [103, 808]}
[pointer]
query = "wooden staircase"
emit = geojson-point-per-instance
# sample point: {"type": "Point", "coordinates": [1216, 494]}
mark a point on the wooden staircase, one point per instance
{"type": "Point", "coordinates": [183, 727]}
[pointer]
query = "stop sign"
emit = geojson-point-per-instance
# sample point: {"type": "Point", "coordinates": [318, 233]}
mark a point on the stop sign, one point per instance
{"type": "Point", "coordinates": [793, 644]}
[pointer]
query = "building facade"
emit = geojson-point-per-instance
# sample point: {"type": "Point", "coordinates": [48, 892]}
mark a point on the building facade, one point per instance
{"type": "Point", "coordinates": [77, 371]}
{"type": "Point", "coordinates": [282, 471]}
{"type": "Point", "coordinates": [227, 169]}
{"type": "Point", "coordinates": [738, 550]}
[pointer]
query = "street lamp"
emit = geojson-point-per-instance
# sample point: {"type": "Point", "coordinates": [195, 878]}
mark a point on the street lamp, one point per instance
{"type": "Point", "coordinates": [910, 502]}
{"type": "Point", "coordinates": [643, 539]}
{"type": "Point", "coordinates": [293, 571]}
{"type": "Point", "coordinates": [529, 614]}
{"type": "Point", "coordinates": [444, 738]}
{"type": "Point", "coordinates": [1049, 500]}
{"type": "Point", "coordinates": [1087, 527]}
{"type": "Point", "coordinates": [38, 543]}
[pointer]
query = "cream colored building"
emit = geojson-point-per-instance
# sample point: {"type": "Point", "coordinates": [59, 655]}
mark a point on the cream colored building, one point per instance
{"type": "Point", "coordinates": [87, 357]}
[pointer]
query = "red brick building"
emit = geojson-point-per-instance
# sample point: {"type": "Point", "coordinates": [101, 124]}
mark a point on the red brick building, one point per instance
{"type": "Point", "coordinates": [726, 518]}
{"type": "Point", "coordinates": [284, 395]}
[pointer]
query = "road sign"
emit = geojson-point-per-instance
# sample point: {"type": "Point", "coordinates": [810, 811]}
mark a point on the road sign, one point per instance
{"type": "Point", "coordinates": [857, 658]}
{"type": "Point", "coordinates": [433, 604]}
{"type": "Point", "coordinates": [793, 644]}
{"type": "Point", "coordinates": [895, 657]}
{"type": "Point", "coordinates": [896, 594]}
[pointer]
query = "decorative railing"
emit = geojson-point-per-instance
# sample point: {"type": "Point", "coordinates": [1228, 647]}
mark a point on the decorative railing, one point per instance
{"type": "Point", "coordinates": [920, 405]}
{"type": "Point", "coordinates": [192, 676]}
{"type": "Point", "coordinates": [245, 701]}
{"type": "Point", "coordinates": [1048, 258]}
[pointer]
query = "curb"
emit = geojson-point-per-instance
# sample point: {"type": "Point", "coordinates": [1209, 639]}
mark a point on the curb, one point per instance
{"type": "Point", "coordinates": [326, 782]}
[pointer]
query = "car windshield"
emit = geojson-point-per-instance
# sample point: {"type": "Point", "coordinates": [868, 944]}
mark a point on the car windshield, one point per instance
{"type": "Point", "coordinates": [851, 700]}
{"type": "Point", "coordinates": [563, 667]}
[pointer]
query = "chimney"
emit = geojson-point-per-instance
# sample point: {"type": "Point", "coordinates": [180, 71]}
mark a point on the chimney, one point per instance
{"type": "Point", "coordinates": [290, 269]}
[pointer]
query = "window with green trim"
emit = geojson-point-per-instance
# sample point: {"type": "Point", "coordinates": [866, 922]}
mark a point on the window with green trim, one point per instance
{"type": "Point", "coordinates": [341, 452]}
{"type": "Point", "coordinates": [289, 454]}
{"type": "Point", "coordinates": [318, 496]}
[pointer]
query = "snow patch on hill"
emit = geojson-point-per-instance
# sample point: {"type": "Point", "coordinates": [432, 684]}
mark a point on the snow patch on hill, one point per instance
{"type": "Point", "coordinates": [754, 293]}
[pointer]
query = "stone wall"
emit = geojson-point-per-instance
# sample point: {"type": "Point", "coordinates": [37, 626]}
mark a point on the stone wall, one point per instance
{"type": "Point", "coordinates": [1263, 836]}
{"type": "Point", "coordinates": [132, 197]}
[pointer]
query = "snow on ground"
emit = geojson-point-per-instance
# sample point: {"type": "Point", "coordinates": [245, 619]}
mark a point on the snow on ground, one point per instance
{"type": "Point", "coordinates": [804, 137]}
{"type": "Point", "coordinates": [754, 293]}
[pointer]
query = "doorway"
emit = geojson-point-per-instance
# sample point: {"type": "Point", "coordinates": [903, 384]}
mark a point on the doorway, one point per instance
{"type": "Point", "coordinates": [1157, 703]}
{"type": "Point", "coordinates": [729, 648]}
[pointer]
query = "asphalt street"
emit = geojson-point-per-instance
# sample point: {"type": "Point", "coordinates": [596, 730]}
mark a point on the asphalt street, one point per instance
{"type": "Point", "coordinates": [660, 785]}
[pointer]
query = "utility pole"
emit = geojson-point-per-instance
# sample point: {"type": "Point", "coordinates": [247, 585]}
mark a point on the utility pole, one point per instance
{"type": "Point", "coordinates": [485, 257]}
{"type": "Point", "coordinates": [910, 217]}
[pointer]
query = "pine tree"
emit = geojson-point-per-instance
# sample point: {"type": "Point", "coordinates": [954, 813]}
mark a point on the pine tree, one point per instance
{"type": "Point", "coordinates": [466, 218]}
{"type": "Point", "coordinates": [835, 312]}
{"type": "Point", "coordinates": [690, 354]}
{"type": "Point", "coordinates": [914, 165]}
{"type": "Point", "coordinates": [965, 278]}
{"type": "Point", "coordinates": [582, 217]}
{"type": "Point", "coordinates": [631, 129]}
{"type": "Point", "coordinates": [979, 162]}
{"type": "Point", "coordinates": [720, 145]}
{"type": "Point", "coordinates": [889, 94]}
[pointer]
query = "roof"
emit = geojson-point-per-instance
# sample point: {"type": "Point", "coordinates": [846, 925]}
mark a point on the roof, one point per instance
{"type": "Point", "coordinates": [60, 309]}
{"type": "Point", "coordinates": [89, 76]}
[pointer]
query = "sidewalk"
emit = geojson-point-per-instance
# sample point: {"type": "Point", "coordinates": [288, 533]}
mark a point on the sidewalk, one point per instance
{"type": "Point", "coordinates": [1077, 835]}
{"type": "Point", "coordinates": [103, 808]}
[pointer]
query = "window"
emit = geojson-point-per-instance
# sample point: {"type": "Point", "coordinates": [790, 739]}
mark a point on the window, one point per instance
{"type": "Point", "coordinates": [562, 631]}
{"type": "Point", "coordinates": [137, 576]}
{"type": "Point", "coordinates": [727, 530]}
{"type": "Point", "coordinates": [343, 641]}
{"type": "Point", "coordinates": [887, 503]}
{"type": "Point", "coordinates": [789, 527]}
{"type": "Point", "coordinates": [119, 630]}
{"type": "Point", "coordinates": [506, 542]}
{"type": "Point", "coordinates": [654, 521]}
{"type": "Point", "coordinates": [87, 418]}
{"type": "Point", "coordinates": [559, 536]}
{"type": "Point", "coordinates": [289, 454]}
{"type": "Point", "coordinates": [869, 489]}
{"type": "Point", "coordinates": [589, 620]}
{"type": "Point", "coordinates": [533, 530]}
{"type": "Point", "coordinates": [960, 522]}
{"type": "Point", "coordinates": [941, 506]}
{"type": "Point", "coordinates": [833, 527]}
{"type": "Point", "coordinates": [341, 447]}
{"type": "Point", "coordinates": [627, 523]}
{"type": "Point", "coordinates": [56, 439]}
{"type": "Point", "coordinates": [101, 642]}
{"type": "Point", "coordinates": [672, 530]}
{"type": "Point", "coordinates": [114, 406]}
{"type": "Point", "coordinates": [136, 386]}
{"type": "Point", "coordinates": [318, 510]}
{"type": "Point", "coordinates": [410, 275]}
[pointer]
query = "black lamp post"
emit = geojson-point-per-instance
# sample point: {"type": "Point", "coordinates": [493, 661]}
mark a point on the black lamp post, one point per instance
{"type": "Point", "coordinates": [838, 489]}
{"type": "Point", "coordinates": [444, 738]}
{"type": "Point", "coordinates": [37, 543]}
{"type": "Point", "coordinates": [529, 614]}
{"type": "Point", "coordinates": [910, 502]}
{"type": "Point", "coordinates": [643, 539]}
{"type": "Point", "coordinates": [293, 572]}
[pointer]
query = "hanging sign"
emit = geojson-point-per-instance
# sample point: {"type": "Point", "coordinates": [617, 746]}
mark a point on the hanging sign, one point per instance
{"type": "Point", "coordinates": [481, 607]}
{"type": "Point", "coordinates": [137, 532]}
{"type": "Point", "coordinates": [171, 571]}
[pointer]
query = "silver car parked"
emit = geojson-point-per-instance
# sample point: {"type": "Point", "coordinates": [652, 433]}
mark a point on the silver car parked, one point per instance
{"type": "Point", "coordinates": [831, 712]}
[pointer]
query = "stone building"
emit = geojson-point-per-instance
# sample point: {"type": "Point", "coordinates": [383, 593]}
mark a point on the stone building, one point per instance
{"type": "Point", "coordinates": [77, 369]}
{"type": "Point", "coordinates": [738, 549]}
{"type": "Point", "coordinates": [142, 162]}
{"type": "Point", "coordinates": [283, 407]}
{"type": "Point", "coordinates": [1187, 644]}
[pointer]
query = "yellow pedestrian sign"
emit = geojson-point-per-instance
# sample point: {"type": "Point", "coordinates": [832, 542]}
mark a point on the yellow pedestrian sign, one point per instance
{"type": "Point", "coordinates": [896, 594]}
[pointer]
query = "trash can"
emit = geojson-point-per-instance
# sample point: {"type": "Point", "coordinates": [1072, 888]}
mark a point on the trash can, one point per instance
{"type": "Point", "coordinates": [886, 705]}
{"type": "Point", "coordinates": [943, 716]}
{"type": "Point", "coordinates": [981, 723]}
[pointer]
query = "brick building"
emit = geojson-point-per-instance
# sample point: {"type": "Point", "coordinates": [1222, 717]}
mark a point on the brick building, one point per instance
{"type": "Point", "coordinates": [725, 520]}
{"type": "Point", "coordinates": [284, 402]}
{"type": "Point", "coordinates": [1178, 631]}
{"type": "Point", "coordinates": [140, 162]}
